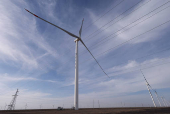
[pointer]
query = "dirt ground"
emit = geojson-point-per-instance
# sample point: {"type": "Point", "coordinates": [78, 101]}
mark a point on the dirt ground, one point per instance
{"type": "Point", "coordinates": [93, 111]}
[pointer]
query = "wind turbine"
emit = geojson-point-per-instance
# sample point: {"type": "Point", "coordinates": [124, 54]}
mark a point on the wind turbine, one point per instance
{"type": "Point", "coordinates": [78, 38]}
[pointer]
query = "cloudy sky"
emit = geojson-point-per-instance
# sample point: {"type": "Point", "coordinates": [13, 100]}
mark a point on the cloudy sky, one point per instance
{"type": "Point", "coordinates": [124, 36]}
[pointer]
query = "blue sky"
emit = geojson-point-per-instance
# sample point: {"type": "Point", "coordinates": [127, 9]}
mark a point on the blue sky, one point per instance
{"type": "Point", "coordinates": [38, 58]}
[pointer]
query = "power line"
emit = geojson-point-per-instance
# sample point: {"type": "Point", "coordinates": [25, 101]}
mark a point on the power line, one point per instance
{"type": "Point", "coordinates": [134, 21]}
{"type": "Point", "coordinates": [132, 71]}
{"type": "Point", "coordinates": [124, 62]}
{"type": "Point", "coordinates": [126, 72]}
{"type": "Point", "coordinates": [146, 56]}
{"type": "Point", "coordinates": [130, 24]}
{"type": "Point", "coordinates": [129, 69]}
{"type": "Point", "coordinates": [22, 80]}
{"type": "Point", "coordinates": [147, 84]}
{"type": "Point", "coordinates": [103, 14]}
{"type": "Point", "coordinates": [118, 16]}
{"type": "Point", "coordinates": [152, 89]}
{"type": "Point", "coordinates": [76, 36]}
{"type": "Point", "coordinates": [150, 54]}
{"type": "Point", "coordinates": [151, 66]}
{"type": "Point", "coordinates": [136, 70]}
{"type": "Point", "coordinates": [78, 39]}
{"type": "Point", "coordinates": [163, 59]}
{"type": "Point", "coordinates": [132, 38]}
{"type": "Point", "coordinates": [99, 80]}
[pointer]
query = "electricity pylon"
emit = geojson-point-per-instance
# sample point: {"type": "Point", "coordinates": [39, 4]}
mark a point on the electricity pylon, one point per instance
{"type": "Point", "coordinates": [158, 98]}
{"type": "Point", "coordinates": [156, 95]}
{"type": "Point", "coordinates": [163, 101]}
{"type": "Point", "coordinates": [11, 106]}
{"type": "Point", "coordinates": [166, 102]}
{"type": "Point", "coordinates": [147, 84]}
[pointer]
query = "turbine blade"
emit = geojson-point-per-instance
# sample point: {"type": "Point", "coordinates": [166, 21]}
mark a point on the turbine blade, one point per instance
{"type": "Point", "coordinates": [53, 25]}
{"type": "Point", "coordinates": [81, 29]}
{"type": "Point", "coordinates": [88, 49]}
{"type": "Point", "coordinates": [94, 58]}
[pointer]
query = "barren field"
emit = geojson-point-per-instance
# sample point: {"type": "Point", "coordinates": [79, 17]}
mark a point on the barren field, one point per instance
{"type": "Point", "coordinates": [94, 111]}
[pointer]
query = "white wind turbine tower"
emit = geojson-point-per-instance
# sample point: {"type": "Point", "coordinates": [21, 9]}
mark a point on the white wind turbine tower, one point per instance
{"type": "Point", "coordinates": [76, 56]}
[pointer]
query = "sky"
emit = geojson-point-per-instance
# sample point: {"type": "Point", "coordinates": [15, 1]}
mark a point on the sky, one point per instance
{"type": "Point", "coordinates": [123, 35]}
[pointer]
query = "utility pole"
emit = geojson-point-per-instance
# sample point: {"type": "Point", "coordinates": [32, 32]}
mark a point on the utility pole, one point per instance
{"type": "Point", "coordinates": [93, 103]}
{"type": "Point", "coordinates": [25, 106]}
{"type": "Point", "coordinates": [11, 106]}
{"type": "Point", "coordinates": [99, 103]}
{"type": "Point", "coordinates": [147, 84]}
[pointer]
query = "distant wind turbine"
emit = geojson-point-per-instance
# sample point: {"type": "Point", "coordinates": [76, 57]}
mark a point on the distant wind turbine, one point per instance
{"type": "Point", "coordinates": [76, 56]}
